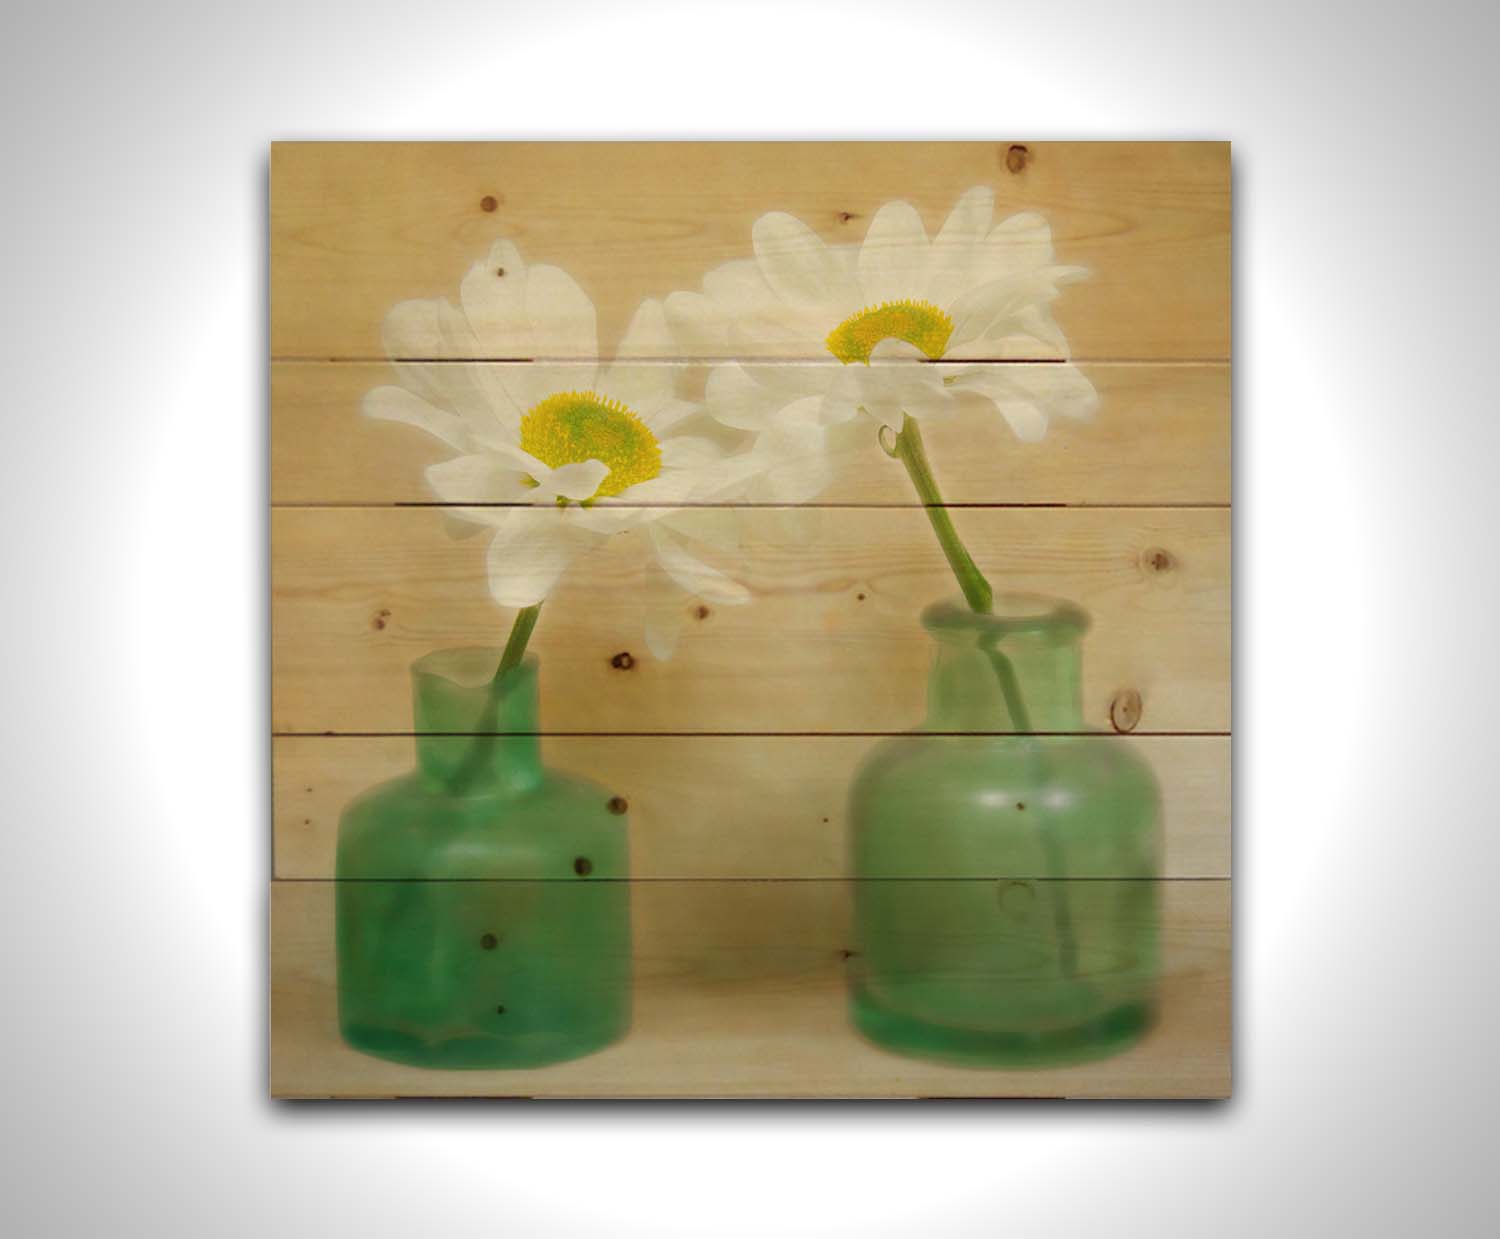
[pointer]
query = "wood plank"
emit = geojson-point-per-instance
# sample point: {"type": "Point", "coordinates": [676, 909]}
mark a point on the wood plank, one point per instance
{"type": "Point", "coordinates": [357, 227]}
{"type": "Point", "coordinates": [687, 797]}
{"type": "Point", "coordinates": [1162, 436]}
{"type": "Point", "coordinates": [830, 642]}
{"type": "Point", "coordinates": [740, 991]}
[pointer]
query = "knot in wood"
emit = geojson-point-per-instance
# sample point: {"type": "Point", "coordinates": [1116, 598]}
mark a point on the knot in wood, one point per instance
{"type": "Point", "coordinates": [1157, 559]}
{"type": "Point", "coordinates": [1125, 710]}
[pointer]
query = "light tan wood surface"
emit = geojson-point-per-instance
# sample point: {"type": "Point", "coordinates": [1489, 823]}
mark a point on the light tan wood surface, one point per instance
{"type": "Point", "coordinates": [1162, 437]}
{"type": "Point", "coordinates": [357, 227]}
{"type": "Point", "coordinates": [831, 641]}
{"type": "Point", "coordinates": [721, 806]}
{"type": "Point", "coordinates": [735, 755]}
{"type": "Point", "coordinates": [740, 992]}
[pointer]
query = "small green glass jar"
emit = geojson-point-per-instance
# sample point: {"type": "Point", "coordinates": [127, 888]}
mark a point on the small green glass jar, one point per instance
{"type": "Point", "coordinates": [1005, 901]}
{"type": "Point", "coordinates": [483, 911]}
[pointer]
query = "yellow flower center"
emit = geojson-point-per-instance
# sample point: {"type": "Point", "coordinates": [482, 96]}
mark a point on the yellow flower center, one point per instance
{"type": "Point", "coordinates": [573, 426]}
{"type": "Point", "coordinates": [919, 323]}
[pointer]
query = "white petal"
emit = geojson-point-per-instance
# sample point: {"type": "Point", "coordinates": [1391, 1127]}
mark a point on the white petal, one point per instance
{"type": "Point", "coordinates": [563, 323]}
{"type": "Point", "coordinates": [890, 392]}
{"type": "Point", "coordinates": [783, 333]}
{"type": "Point", "coordinates": [1037, 323]}
{"type": "Point", "coordinates": [577, 480]}
{"type": "Point", "coordinates": [478, 395]}
{"type": "Point", "coordinates": [894, 257]}
{"type": "Point", "coordinates": [396, 404]}
{"type": "Point", "coordinates": [739, 285]}
{"type": "Point", "coordinates": [602, 520]}
{"type": "Point", "coordinates": [480, 478]}
{"type": "Point", "coordinates": [1058, 391]}
{"type": "Point", "coordinates": [734, 398]}
{"type": "Point", "coordinates": [670, 487]}
{"type": "Point", "coordinates": [692, 574]}
{"type": "Point", "coordinates": [643, 385]}
{"type": "Point", "coordinates": [495, 303]}
{"type": "Point", "coordinates": [1027, 395]}
{"type": "Point", "coordinates": [792, 461]}
{"type": "Point", "coordinates": [1062, 391]}
{"type": "Point", "coordinates": [978, 311]}
{"type": "Point", "coordinates": [795, 261]}
{"type": "Point", "coordinates": [666, 414]}
{"type": "Point", "coordinates": [716, 527]}
{"type": "Point", "coordinates": [528, 385]}
{"type": "Point", "coordinates": [663, 604]}
{"type": "Point", "coordinates": [795, 481]}
{"type": "Point", "coordinates": [689, 452]}
{"type": "Point", "coordinates": [845, 392]}
{"type": "Point", "coordinates": [417, 329]}
{"type": "Point", "coordinates": [893, 349]}
{"type": "Point", "coordinates": [423, 338]}
{"type": "Point", "coordinates": [967, 225]}
{"type": "Point", "coordinates": [462, 523]}
{"type": "Point", "coordinates": [531, 548]}
{"type": "Point", "coordinates": [1015, 246]}
{"type": "Point", "coordinates": [700, 327]}
{"type": "Point", "coordinates": [648, 334]}
{"type": "Point", "coordinates": [785, 525]}
{"type": "Point", "coordinates": [523, 460]}
{"type": "Point", "coordinates": [1073, 395]}
{"type": "Point", "coordinates": [1028, 421]}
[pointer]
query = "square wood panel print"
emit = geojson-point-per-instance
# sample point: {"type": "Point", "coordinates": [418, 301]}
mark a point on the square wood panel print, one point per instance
{"type": "Point", "coordinates": [750, 619]}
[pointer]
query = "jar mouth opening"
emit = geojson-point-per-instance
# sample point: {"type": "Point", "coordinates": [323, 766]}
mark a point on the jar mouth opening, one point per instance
{"type": "Point", "coordinates": [1010, 615]}
{"type": "Point", "coordinates": [468, 666]}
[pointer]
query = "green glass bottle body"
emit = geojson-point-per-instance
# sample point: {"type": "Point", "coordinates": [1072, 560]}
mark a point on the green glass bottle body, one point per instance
{"type": "Point", "coordinates": [482, 912]}
{"type": "Point", "coordinates": [1005, 901]}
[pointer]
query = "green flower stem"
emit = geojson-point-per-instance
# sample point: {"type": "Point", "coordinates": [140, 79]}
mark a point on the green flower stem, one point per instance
{"type": "Point", "coordinates": [908, 449]}
{"type": "Point", "coordinates": [1010, 686]}
{"type": "Point", "coordinates": [515, 647]}
{"type": "Point", "coordinates": [489, 717]}
{"type": "Point", "coordinates": [910, 452]}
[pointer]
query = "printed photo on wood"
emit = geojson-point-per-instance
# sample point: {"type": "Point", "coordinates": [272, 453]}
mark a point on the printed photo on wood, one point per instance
{"type": "Point", "coordinates": [750, 619]}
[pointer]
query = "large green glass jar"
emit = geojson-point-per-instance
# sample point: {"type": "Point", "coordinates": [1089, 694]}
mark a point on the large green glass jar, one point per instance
{"type": "Point", "coordinates": [483, 912]}
{"type": "Point", "coordinates": [1005, 861]}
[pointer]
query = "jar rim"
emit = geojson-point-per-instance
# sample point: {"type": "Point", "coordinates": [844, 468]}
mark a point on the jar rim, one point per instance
{"type": "Point", "coordinates": [1011, 614]}
{"type": "Point", "coordinates": [466, 666]}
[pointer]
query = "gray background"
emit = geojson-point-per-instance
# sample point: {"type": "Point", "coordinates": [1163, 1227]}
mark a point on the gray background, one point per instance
{"type": "Point", "coordinates": [135, 750]}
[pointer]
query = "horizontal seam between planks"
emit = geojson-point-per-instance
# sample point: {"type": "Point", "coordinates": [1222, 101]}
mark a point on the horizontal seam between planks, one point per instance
{"type": "Point", "coordinates": [722, 735]}
{"type": "Point", "coordinates": [763, 361]}
{"type": "Point", "coordinates": [309, 505]}
{"type": "Point", "coordinates": [595, 881]}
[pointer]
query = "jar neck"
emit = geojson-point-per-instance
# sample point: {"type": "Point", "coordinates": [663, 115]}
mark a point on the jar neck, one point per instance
{"type": "Point", "coordinates": [476, 736]}
{"type": "Point", "coordinates": [1017, 669]}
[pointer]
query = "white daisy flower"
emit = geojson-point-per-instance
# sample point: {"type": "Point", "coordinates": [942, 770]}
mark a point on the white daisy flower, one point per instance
{"type": "Point", "coordinates": [978, 290]}
{"type": "Point", "coordinates": [554, 459]}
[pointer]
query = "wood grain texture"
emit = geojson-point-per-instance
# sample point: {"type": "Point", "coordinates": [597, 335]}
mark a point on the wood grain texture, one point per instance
{"type": "Point", "coordinates": [735, 756]}
{"type": "Point", "coordinates": [739, 992]}
{"type": "Point", "coordinates": [720, 806]}
{"type": "Point", "coordinates": [1162, 437]}
{"type": "Point", "coordinates": [357, 227]}
{"type": "Point", "coordinates": [830, 642]}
